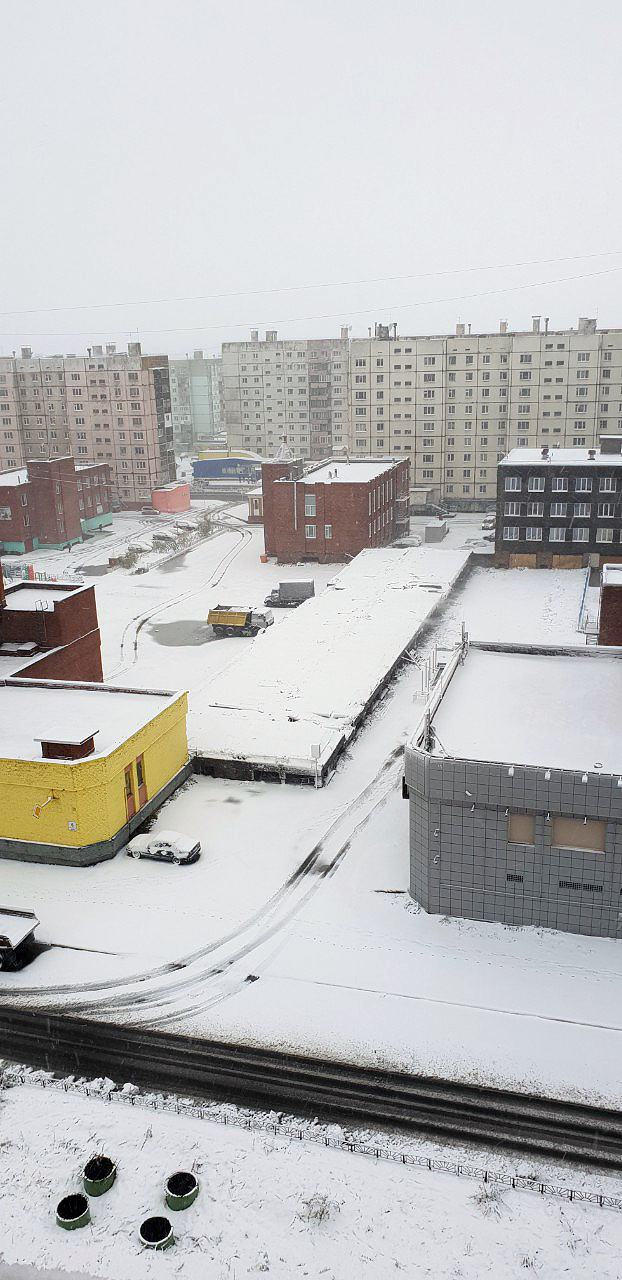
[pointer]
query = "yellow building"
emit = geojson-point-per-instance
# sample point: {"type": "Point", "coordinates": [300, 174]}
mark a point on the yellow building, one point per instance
{"type": "Point", "coordinates": [83, 765]}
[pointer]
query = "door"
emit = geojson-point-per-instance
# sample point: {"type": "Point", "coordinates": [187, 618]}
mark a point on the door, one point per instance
{"type": "Point", "coordinates": [130, 804]}
{"type": "Point", "coordinates": [142, 785]}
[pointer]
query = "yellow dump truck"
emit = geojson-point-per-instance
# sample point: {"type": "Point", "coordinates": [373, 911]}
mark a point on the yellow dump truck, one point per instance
{"type": "Point", "coordinates": [233, 620]}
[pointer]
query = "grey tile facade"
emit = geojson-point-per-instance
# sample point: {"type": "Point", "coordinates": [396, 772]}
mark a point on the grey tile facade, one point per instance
{"type": "Point", "coordinates": [462, 864]}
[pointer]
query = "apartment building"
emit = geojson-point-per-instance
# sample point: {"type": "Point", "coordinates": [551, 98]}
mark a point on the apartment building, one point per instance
{"type": "Point", "coordinates": [196, 400]}
{"type": "Point", "coordinates": [110, 407]}
{"type": "Point", "coordinates": [295, 390]}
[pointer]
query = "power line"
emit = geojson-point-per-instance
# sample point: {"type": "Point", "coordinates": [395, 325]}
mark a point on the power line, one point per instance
{"type": "Point", "coordinates": [302, 288]}
{"type": "Point", "coordinates": [334, 315]}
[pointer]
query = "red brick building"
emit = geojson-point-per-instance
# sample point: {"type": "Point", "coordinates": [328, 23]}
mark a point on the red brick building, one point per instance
{"type": "Point", "coordinates": [50, 631]}
{"type": "Point", "coordinates": [335, 511]}
{"type": "Point", "coordinates": [610, 614]}
{"type": "Point", "coordinates": [52, 503]}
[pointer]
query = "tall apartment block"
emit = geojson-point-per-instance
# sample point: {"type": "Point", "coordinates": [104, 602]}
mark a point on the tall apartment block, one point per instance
{"type": "Point", "coordinates": [457, 404]}
{"type": "Point", "coordinates": [196, 400]}
{"type": "Point", "coordinates": [109, 407]}
{"type": "Point", "coordinates": [295, 390]}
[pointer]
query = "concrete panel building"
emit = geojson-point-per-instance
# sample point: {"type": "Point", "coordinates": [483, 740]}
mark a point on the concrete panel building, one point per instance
{"type": "Point", "coordinates": [295, 390]}
{"type": "Point", "coordinates": [560, 508]}
{"type": "Point", "coordinates": [514, 784]}
{"type": "Point", "coordinates": [196, 401]}
{"type": "Point", "coordinates": [109, 407]}
{"type": "Point", "coordinates": [332, 512]}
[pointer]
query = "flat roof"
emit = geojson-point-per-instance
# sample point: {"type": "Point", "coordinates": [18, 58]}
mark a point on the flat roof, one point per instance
{"type": "Point", "coordinates": [336, 472]}
{"type": "Point", "coordinates": [612, 575]}
{"type": "Point", "coordinates": [30, 711]}
{"type": "Point", "coordinates": [8, 478]}
{"type": "Point", "coordinates": [553, 710]}
{"type": "Point", "coordinates": [561, 458]}
{"type": "Point", "coordinates": [27, 598]}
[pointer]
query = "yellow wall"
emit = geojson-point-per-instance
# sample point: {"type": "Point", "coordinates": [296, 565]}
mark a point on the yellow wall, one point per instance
{"type": "Point", "coordinates": [90, 792]}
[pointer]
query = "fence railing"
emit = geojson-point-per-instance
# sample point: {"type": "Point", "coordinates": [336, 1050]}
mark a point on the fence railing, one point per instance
{"type": "Point", "coordinates": [28, 573]}
{"type": "Point", "coordinates": [183, 1107]}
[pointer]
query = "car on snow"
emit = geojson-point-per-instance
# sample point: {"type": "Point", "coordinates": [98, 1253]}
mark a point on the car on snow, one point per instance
{"type": "Point", "coordinates": [165, 846]}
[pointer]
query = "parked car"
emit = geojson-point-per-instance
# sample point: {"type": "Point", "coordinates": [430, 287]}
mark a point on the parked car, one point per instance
{"type": "Point", "coordinates": [165, 846]}
{"type": "Point", "coordinates": [17, 930]}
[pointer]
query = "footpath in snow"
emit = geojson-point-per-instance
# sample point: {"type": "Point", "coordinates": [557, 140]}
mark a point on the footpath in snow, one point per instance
{"type": "Point", "coordinates": [294, 699]}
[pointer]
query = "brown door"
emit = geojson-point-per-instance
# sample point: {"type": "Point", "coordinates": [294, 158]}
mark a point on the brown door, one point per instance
{"type": "Point", "coordinates": [142, 785]}
{"type": "Point", "coordinates": [130, 806]}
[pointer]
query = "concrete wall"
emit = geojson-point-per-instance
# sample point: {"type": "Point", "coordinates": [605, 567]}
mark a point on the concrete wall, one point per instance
{"type": "Point", "coordinates": [460, 858]}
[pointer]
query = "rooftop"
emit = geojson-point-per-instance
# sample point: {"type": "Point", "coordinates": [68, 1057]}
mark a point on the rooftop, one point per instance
{"type": "Point", "coordinates": [7, 478]}
{"type": "Point", "coordinates": [557, 709]}
{"type": "Point", "coordinates": [561, 458]}
{"type": "Point", "coordinates": [31, 711]}
{"type": "Point", "coordinates": [36, 596]}
{"type": "Point", "coordinates": [612, 575]}
{"type": "Point", "coordinates": [338, 472]}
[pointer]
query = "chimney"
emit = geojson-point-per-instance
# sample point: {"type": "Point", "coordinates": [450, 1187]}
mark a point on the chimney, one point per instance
{"type": "Point", "coordinates": [270, 335]}
{"type": "Point", "coordinates": [26, 353]}
{"type": "Point", "coordinates": [254, 335]}
{"type": "Point", "coordinates": [535, 323]}
{"type": "Point", "coordinates": [545, 450]}
{"type": "Point", "coordinates": [111, 349]}
{"type": "Point", "coordinates": [460, 330]}
{"type": "Point", "coordinates": [503, 326]}
{"type": "Point", "coordinates": [98, 351]}
{"type": "Point", "coordinates": [133, 349]}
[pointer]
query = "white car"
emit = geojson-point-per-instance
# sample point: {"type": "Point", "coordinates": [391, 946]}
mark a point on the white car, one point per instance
{"type": "Point", "coordinates": [165, 846]}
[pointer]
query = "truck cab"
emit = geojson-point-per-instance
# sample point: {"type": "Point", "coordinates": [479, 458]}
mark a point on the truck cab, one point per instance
{"type": "Point", "coordinates": [234, 620]}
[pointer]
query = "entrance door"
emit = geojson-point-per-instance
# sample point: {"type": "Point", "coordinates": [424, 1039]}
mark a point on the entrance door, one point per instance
{"type": "Point", "coordinates": [130, 804]}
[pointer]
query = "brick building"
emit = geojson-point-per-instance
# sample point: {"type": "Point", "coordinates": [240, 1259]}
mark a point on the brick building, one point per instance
{"type": "Point", "coordinates": [513, 783]}
{"type": "Point", "coordinates": [610, 607]}
{"type": "Point", "coordinates": [560, 508]}
{"type": "Point", "coordinates": [49, 631]}
{"type": "Point", "coordinates": [52, 503]}
{"type": "Point", "coordinates": [335, 511]}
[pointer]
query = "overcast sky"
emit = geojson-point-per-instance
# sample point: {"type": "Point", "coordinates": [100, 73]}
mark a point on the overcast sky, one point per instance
{"type": "Point", "coordinates": [275, 151]}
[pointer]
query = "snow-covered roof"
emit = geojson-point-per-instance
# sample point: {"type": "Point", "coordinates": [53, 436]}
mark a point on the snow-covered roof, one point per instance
{"type": "Point", "coordinates": [533, 708]}
{"type": "Point", "coordinates": [561, 458]}
{"type": "Point", "coordinates": [337, 471]}
{"type": "Point", "coordinates": [612, 575]}
{"type": "Point", "coordinates": [8, 478]}
{"type": "Point", "coordinates": [30, 712]}
{"type": "Point", "coordinates": [36, 596]}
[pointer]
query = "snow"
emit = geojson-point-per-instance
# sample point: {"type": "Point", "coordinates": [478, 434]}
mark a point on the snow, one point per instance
{"type": "Point", "coordinates": [283, 1197]}
{"type": "Point", "coordinates": [510, 706]}
{"type": "Point", "coordinates": [612, 575]}
{"type": "Point", "coordinates": [8, 478]}
{"type": "Point", "coordinates": [297, 692]}
{"type": "Point", "coordinates": [339, 472]}
{"type": "Point", "coordinates": [36, 596]}
{"type": "Point", "coordinates": [31, 713]}
{"type": "Point", "coordinates": [561, 458]}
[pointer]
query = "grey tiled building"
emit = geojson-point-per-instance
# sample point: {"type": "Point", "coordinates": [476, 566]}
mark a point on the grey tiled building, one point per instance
{"type": "Point", "coordinates": [514, 783]}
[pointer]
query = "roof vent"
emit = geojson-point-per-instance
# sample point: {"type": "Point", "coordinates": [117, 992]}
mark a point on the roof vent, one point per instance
{"type": "Point", "coordinates": [591, 453]}
{"type": "Point", "coordinates": [545, 451]}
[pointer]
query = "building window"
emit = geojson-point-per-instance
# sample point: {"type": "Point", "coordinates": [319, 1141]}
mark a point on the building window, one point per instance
{"type": "Point", "coordinates": [604, 535]}
{"type": "Point", "coordinates": [328, 531]}
{"type": "Point", "coordinates": [580, 535]}
{"type": "Point", "coordinates": [510, 533]}
{"type": "Point", "coordinates": [533, 533]}
{"type": "Point", "coordinates": [512, 484]}
{"type": "Point", "coordinates": [582, 510]}
{"type": "Point", "coordinates": [557, 535]}
{"type": "Point", "coordinates": [535, 509]}
{"type": "Point", "coordinates": [583, 484]}
{"type": "Point", "coordinates": [535, 484]}
{"type": "Point", "coordinates": [577, 833]}
{"type": "Point", "coordinates": [310, 505]}
{"type": "Point", "coordinates": [558, 510]}
{"type": "Point", "coordinates": [559, 484]}
{"type": "Point", "coordinates": [309, 531]}
{"type": "Point", "coordinates": [512, 509]}
{"type": "Point", "coordinates": [521, 828]}
{"type": "Point", "coordinates": [606, 510]}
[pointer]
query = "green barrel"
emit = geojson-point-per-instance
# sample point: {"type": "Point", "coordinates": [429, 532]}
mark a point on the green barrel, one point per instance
{"type": "Point", "coordinates": [98, 1175]}
{"type": "Point", "coordinates": [156, 1233]}
{"type": "Point", "coordinates": [182, 1190]}
{"type": "Point", "coordinates": [73, 1212]}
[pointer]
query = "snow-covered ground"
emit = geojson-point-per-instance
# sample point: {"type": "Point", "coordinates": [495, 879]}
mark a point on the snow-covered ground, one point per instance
{"type": "Point", "coordinates": [274, 1204]}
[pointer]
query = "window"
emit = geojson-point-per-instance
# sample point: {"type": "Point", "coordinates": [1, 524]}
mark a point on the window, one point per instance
{"type": "Point", "coordinates": [535, 484]}
{"type": "Point", "coordinates": [510, 533]}
{"type": "Point", "coordinates": [309, 531]}
{"type": "Point", "coordinates": [583, 484]}
{"type": "Point", "coordinates": [512, 509]}
{"type": "Point", "coordinates": [535, 509]}
{"type": "Point", "coordinates": [558, 510]}
{"type": "Point", "coordinates": [525, 359]}
{"type": "Point", "coordinates": [577, 833]}
{"type": "Point", "coordinates": [521, 828]}
{"type": "Point", "coordinates": [559, 484]}
{"type": "Point", "coordinates": [607, 485]}
{"type": "Point", "coordinates": [512, 484]}
{"type": "Point", "coordinates": [604, 535]}
{"type": "Point", "coordinates": [606, 510]}
{"type": "Point", "coordinates": [582, 510]}
{"type": "Point", "coordinates": [328, 530]}
{"type": "Point", "coordinates": [533, 533]}
{"type": "Point", "coordinates": [429, 359]}
{"type": "Point", "coordinates": [580, 535]}
{"type": "Point", "coordinates": [310, 504]}
{"type": "Point", "coordinates": [557, 535]}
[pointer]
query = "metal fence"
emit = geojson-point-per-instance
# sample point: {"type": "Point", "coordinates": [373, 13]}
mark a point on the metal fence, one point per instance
{"type": "Point", "coordinates": [28, 573]}
{"type": "Point", "coordinates": [519, 1182]}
